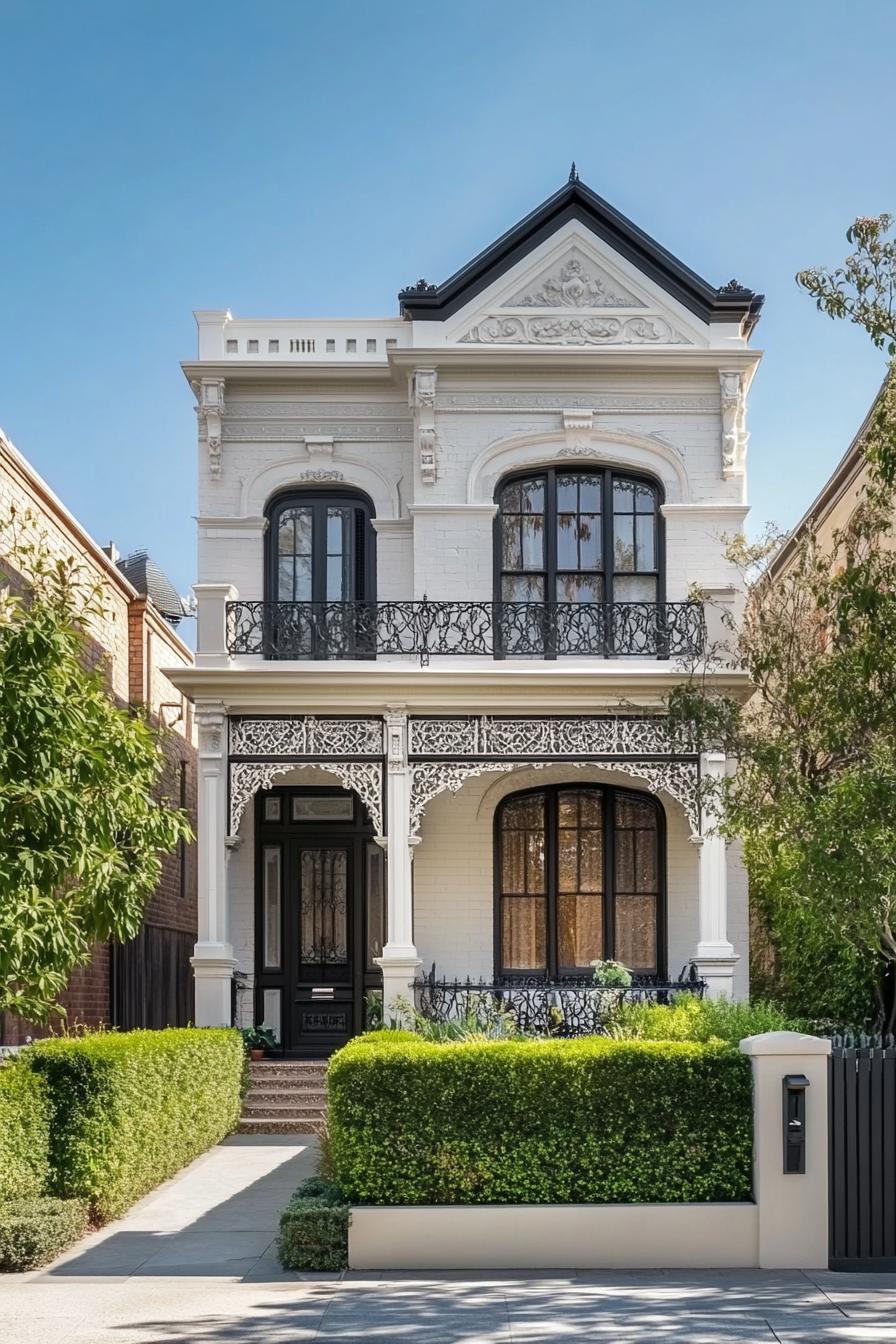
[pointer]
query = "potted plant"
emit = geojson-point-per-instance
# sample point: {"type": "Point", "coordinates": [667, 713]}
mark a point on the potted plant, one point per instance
{"type": "Point", "coordinates": [257, 1040]}
{"type": "Point", "coordinates": [611, 975]}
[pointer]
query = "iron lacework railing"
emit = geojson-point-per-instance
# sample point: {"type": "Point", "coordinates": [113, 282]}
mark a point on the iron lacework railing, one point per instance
{"type": "Point", "coordinates": [337, 630]}
{"type": "Point", "coordinates": [569, 1006]}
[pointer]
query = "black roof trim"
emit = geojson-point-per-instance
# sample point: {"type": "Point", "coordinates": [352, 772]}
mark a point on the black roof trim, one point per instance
{"type": "Point", "coordinates": [575, 201]}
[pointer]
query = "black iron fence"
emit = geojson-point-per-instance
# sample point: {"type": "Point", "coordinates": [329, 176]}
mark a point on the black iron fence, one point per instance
{"type": "Point", "coordinates": [862, 1153]}
{"type": "Point", "coordinates": [337, 630]}
{"type": "Point", "coordinates": [571, 1006]}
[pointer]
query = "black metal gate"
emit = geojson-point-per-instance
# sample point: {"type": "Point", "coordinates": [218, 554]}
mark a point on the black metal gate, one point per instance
{"type": "Point", "coordinates": [862, 1114]}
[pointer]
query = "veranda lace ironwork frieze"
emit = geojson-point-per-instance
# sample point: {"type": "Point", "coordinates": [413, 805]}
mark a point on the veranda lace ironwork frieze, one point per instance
{"type": "Point", "coordinates": [305, 735]}
{"type": "Point", "coordinates": [365, 778]}
{"type": "Point", "coordinates": [579, 735]}
{"type": "Point", "coordinates": [445, 752]}
{"type": "Point", "coordinates": [264, 749]}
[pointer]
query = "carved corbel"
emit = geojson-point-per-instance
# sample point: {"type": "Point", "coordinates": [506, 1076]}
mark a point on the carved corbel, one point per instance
{"type": "Point", "coordinates": [734, 414]}
{"type": "Point", "coordinates": [320, 459]}
{"type": "Point", "coordinates": [423, 403]}
{"type": "Point", "coordinates": [210, 410]}
{"type": "Point", "coordinates": [577, 429]}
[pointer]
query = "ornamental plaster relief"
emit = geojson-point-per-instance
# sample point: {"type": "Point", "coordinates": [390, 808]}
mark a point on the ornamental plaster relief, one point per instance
{"type": "Point", "coordinates": [578, 331]}
{"type": "Point", "coordinates": [624, 402]}
{"type": "Point", "coordinates": [574, 282]}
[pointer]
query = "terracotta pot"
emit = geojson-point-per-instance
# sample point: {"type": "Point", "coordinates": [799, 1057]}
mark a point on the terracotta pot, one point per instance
{"type": "Point", "coordinates": [255, 1053]}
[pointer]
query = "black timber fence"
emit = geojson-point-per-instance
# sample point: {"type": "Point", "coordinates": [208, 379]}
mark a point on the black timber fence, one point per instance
{"type": "Point", "coordinates": [862, 1120]}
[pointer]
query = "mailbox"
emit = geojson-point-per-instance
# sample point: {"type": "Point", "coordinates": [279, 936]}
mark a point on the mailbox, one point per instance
{"type": "Point", "coordinates": [795, 1085]}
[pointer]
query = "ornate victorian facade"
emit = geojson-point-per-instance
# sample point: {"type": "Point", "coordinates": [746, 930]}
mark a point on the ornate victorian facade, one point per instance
{"type": "Point", "coordinates": [449, 567]}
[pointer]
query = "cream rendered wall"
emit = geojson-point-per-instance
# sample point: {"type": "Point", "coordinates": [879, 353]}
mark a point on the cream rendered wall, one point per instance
{"type": "Point", "coordinates": [453, 876]}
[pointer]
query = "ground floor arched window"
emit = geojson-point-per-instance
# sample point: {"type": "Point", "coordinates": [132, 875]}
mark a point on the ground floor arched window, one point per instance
{"type": "Point", "coordinates": [579, 876]}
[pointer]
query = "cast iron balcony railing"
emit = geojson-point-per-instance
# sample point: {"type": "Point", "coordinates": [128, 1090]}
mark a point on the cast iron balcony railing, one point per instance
{"type": "Point", "coordinates": [571, 1006]}
{"type": "Point", "coordinates": [339, 630]}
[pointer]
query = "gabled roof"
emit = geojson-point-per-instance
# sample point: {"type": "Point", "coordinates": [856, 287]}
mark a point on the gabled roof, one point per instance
{"type": "Point", "coordinates": [574, 201]}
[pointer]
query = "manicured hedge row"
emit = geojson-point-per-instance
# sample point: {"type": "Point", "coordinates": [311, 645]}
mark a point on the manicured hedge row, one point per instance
{"type": "Point", "coordinates": [34, 1231]}
{"type": "Point", "coordinates": [130, 1109]}
{"type": "Point", "coordinates": [539, 1122]}
{"type": "Point", "coordinates": [24, 1132]}
{"type": "Point", "coordinates": [314, 1228]}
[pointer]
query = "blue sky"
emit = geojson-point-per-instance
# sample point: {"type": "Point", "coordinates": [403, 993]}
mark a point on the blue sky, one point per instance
{"type": "Point", "coordinates": [291, 158]}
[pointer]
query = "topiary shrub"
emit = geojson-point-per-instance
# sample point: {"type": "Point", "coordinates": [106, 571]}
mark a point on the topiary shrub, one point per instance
{"type": "Point", "coordinates": [591, 1121]}
{"type": "Point", "coordinates": [692, 1019]}
{"type": "Point", "coordinates": [34, 1231]}
{"type": "Point", "coordinates": [314, 1228]}
{"type": "Point", "coordinates": [24, 1132]}
{"type": "Point", "coordinates": [130, 1109]}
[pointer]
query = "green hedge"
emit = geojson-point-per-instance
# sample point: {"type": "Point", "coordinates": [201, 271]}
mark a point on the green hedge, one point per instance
{"type": "Point", "coordinates": [24, 1132]}
{"type": "Point", "coordinates": [693, 1019]}
{"type": "Point", "coordinates": [314, 1228]}
{"type": "Point", "coordinates": [34, 1231]}
{"type": "Point", "coordinates": [130, 1109]}
{"type": "Point", "coordinates": [539, 1122]}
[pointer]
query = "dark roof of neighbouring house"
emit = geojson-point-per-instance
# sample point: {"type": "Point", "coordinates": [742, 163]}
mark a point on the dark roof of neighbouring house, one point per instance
{"type": "Point", "coordinates": [574, 201]}
{"type": "Point", "coordinates": [145, 575]}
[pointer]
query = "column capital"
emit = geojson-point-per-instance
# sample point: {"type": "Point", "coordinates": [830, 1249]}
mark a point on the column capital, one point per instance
{"type": "Point", "coordinates": [211, 722]}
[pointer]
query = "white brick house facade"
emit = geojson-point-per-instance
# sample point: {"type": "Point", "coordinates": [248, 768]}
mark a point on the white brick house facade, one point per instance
{"type": "Point", "coordinates": [578, 358]}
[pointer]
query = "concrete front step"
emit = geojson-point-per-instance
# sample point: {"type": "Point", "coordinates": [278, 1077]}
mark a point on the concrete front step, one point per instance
{"type": "Point", "coordinates": [297, 1096]}
{"type": "Point", "coordinates": [258, 1106]}
{"type": "Point", "coordinates": [250, 1125]}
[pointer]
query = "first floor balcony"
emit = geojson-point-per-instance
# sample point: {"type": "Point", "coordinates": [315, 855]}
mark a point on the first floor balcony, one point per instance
{"type": "Point", "coordinates": [425, 629]}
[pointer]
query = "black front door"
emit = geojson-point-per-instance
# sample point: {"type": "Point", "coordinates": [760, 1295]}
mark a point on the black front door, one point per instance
{"type": "Point", "coordinates": [319, 917]}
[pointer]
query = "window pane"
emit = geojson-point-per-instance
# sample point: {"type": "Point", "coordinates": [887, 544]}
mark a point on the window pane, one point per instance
{"type": "Point", "coordinates": [335, 531]}
{"type": "Point", "coordinates": [645, 499]}
{"type": "Point", "coordinates": [535, 861]}
{"type": "Point", "coordinates": [533, 543]}
{"type": "Point", "coordinates": [523, 933]}
{"type": "Point", "coordinates": [567, 549]}
{"type": "Point", "coordinates": [301, 591]}
{"type": "Point", "coordinates": [591, 805]}
{"type": "Point", "coordinates": [527, 811]}
{"type": "Point", "coordinates": [324, 907]}
{"type": "Point", "coordinates": [634, 588]}
{"type": "Point", "coordinates": [623, 497]}
{"type": "Point", "coordinates": [589, 494]}
{"type": "Point", "coordinates": [522, 588]}
{"type": "Point", "coordinates": [511, 548]}
{"type": "Point", "coordinates": [568, 860]}
{"type": "Point", "coordinates": [532, 496]}
{"type": "Point", "coordinates": [271, 906]}
{"type": "Point", "coordinates": [623, 543]}
{"type": "Point", "coordinates": [634, 811]}
{"type": "Point", "coordinates": [303, 522]}
{"type": "Point", "coordinates": [645, 861]}
{"type": "Point", "coordinates": [568, 494]}
{"type": "Point", "coordinates": [568, 809]}
{"type": "Point", "coordinates": [591, 860]}
{"type": "Point", "coordinates": [589, 541]}
{"type": "Point", "coordinates": [644, 535]}
{"type": "Point", "coordinates": [580, 932]}
{"type": "Point", "coordinates": [580, 588]}
{"type": "Point", "coordinates": [510, 498]}
{"type": "Point", "coordinates": [336, 585]}
{"type": "Point", "coordinates": [636, 932]}
{"type": "Point", "coordinates": [625, 861]}
{"type": "Point", "coordinates": [286, 535]}
{"type": "Point", "coordinates": [271, 1008]}
{"type": "Point", "coordinates": [513, 862]}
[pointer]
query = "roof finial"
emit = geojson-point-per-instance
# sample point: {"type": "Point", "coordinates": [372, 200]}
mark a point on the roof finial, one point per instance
{"type": "Point", "coordinates": [573, 172]}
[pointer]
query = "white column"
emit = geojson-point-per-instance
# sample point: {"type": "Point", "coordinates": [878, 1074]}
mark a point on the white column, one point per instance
{"type": "Point", "coordinates": [793, 1207]}
{"type": "Point", "coordinates": [211, 622]}
{"type": "Point", "coordinates": [212, 959]}
{"type": "Point", "coordinates": [715, 957]}
{"type": "Point", "coordinates": [399, 962]}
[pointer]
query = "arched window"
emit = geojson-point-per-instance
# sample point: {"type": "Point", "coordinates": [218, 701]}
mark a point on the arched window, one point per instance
{"type": "Point", "coordinates": [320, 547]}
{"type": "Point", "coordinates": [579, 876]}
{"type": "Point", "coordinates": [570, 538]}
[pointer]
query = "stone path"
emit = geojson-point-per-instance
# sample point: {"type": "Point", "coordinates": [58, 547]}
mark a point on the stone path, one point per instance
{"type": "Point", "coordinates": [194, 1262]}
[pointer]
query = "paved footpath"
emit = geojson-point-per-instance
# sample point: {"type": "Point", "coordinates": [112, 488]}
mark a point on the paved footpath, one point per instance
{"type": "Point", "coordinates": [194, 1262]}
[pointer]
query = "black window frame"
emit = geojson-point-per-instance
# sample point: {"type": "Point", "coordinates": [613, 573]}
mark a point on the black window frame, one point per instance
{"type": "Point", "coordinates": [551, 793]}
{"type": "Point", "coordinates": [608, 475]}
{"type": "Point", "coordinates": [363, 557]}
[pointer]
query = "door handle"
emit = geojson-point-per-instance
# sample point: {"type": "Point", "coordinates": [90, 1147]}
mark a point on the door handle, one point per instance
{"type": "Point", "coordinates": [322, 992]}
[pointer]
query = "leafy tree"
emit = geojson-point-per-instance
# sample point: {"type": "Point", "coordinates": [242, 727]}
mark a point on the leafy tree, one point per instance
{"type": "Point", "coordinates": [813, 796]}
{"type": "Point", "coordinates": [82, 822]}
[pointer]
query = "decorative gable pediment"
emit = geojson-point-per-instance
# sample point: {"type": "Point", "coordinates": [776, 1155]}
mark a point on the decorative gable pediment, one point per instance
{"type": "Point", "coordinates": [574, 282]}
{"type": "Point", "coordinates": [572, 292]}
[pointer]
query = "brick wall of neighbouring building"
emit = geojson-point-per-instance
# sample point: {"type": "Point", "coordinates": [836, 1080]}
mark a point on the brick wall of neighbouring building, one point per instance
{"type": "Point", "coordinates": [146, 983]}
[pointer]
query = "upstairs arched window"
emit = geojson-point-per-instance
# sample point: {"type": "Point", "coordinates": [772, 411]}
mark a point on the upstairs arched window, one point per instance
{"type": "Point", "coordinates": [320, 547]}
{"type": "Point", "coordinates": [579, 536]}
